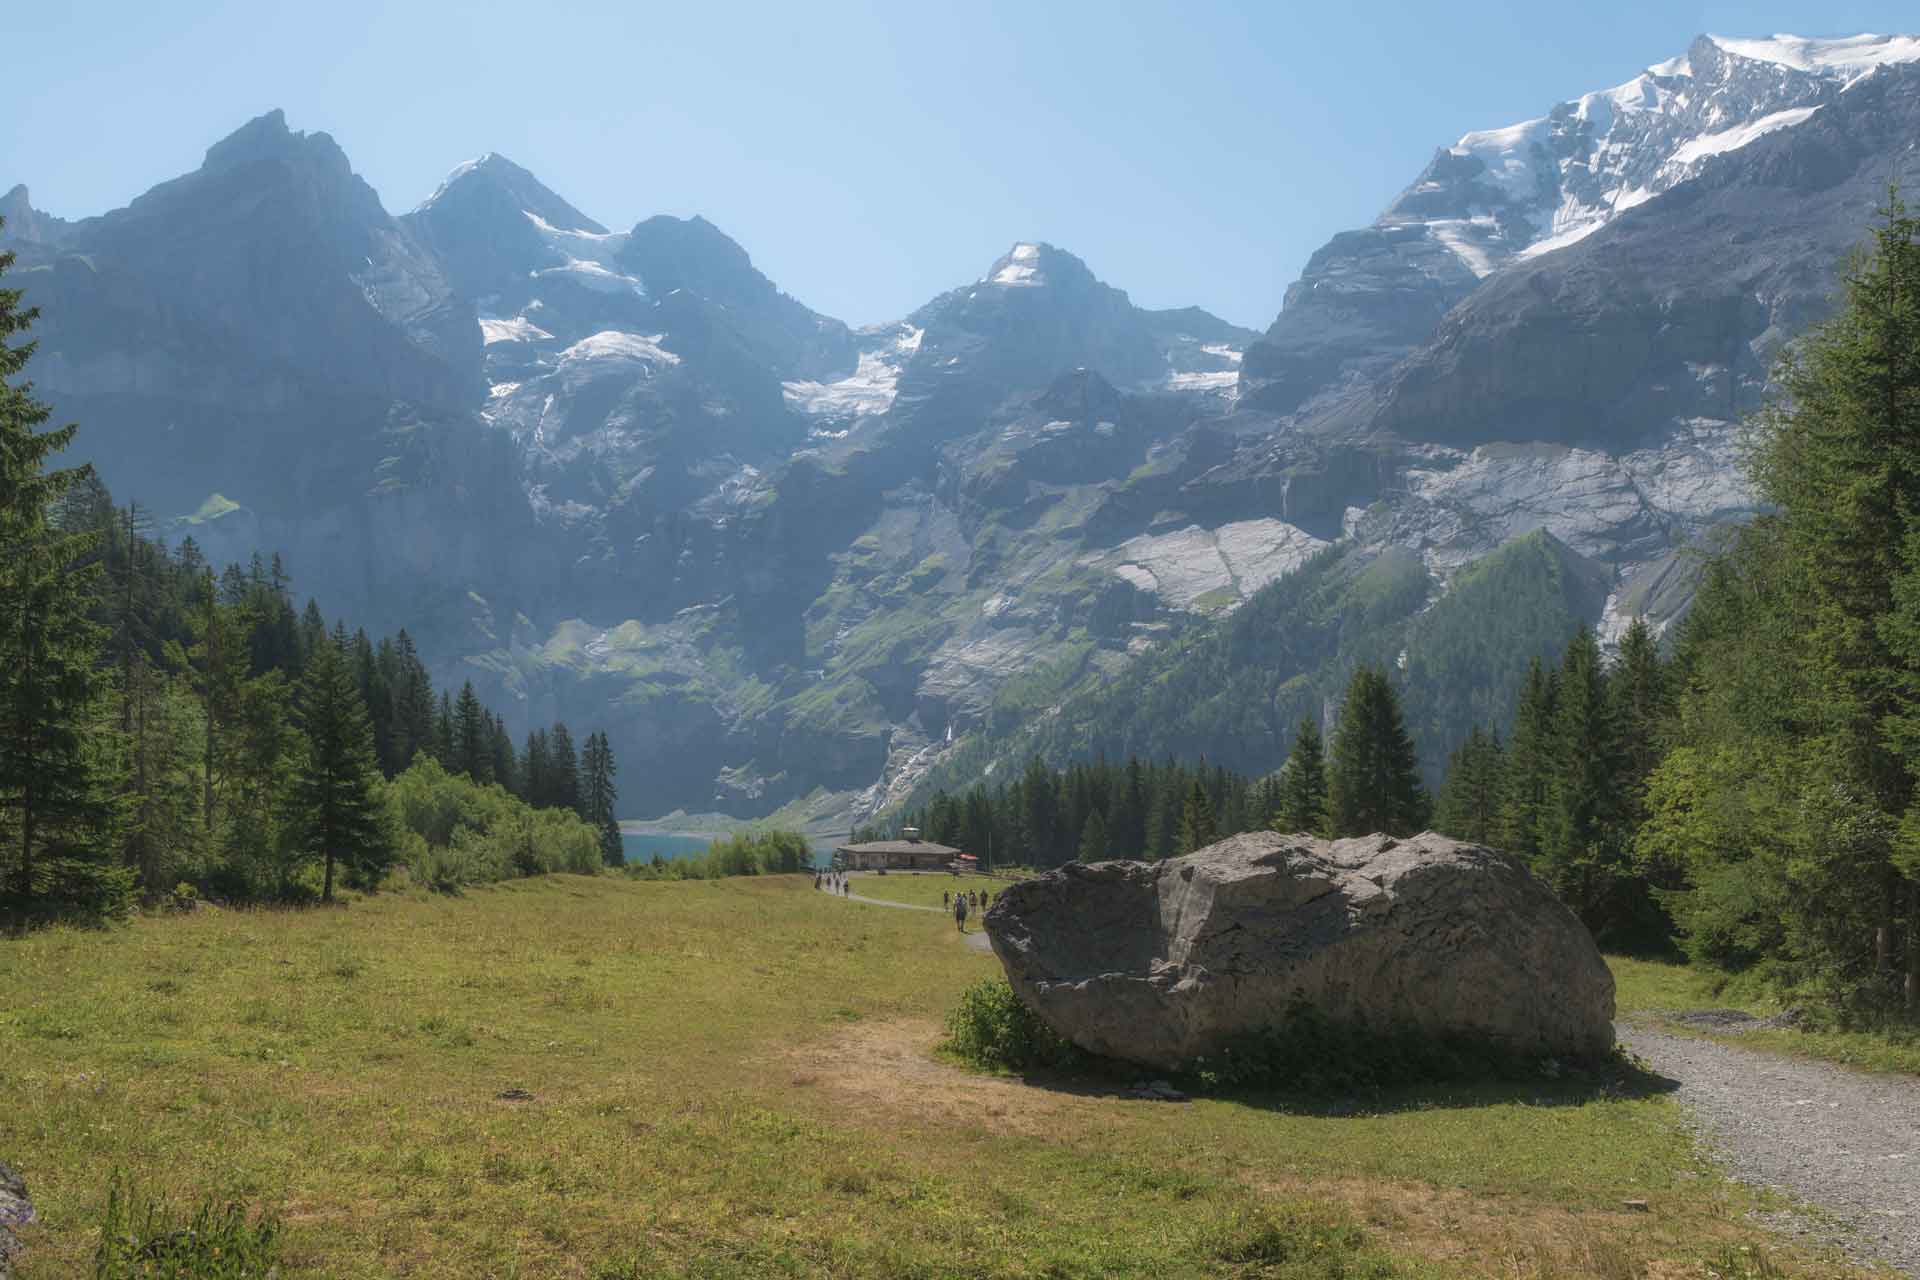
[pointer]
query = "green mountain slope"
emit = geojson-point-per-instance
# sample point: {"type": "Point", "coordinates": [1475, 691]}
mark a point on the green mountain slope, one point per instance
{"type": "Point", "coordinates": [1233, 689]}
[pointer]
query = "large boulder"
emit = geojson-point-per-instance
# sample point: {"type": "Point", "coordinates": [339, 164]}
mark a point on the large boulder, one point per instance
{"type": "Point", "coordinates": [1163, 963]}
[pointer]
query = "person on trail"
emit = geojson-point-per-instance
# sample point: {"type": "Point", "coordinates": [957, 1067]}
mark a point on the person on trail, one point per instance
{"type": "Point", "coordinates": [960, 913]}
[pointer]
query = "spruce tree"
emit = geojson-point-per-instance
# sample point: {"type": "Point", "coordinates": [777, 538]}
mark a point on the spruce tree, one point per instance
{"type": "Point", "coordinates": [57, 812]}
{"type": "Point", "coordinates": [564, 768]}
{"type": "Point", "coordinates": [502, 764]}
{"type": "Point", "coordinates": [337, 794]}
{"type": "Point", "coordinates": [1093, 838]}
{"type": "Point", "coordinates": [1642, 703]}
{"type": "Point", "coordinates": [472, 737]}
{"type": "Point", "coordinates": [1303, 783]}
{"type": "Point", "coordinates": [1581, 844]}
{"type": "Point", "coordinates": [412, 703]}
{"type": "Point", "coordinates": [1197, 826]}
{"type": "Point", "coordinates": [1530, 750]}
{"type": "Point", "coordinates": [601, 799]}
{"type": "Point", "coordinates": [1373, 777]}
{"type": "Point", "coordinates": [536, 769]}
{"type": "Point", "coordinates": [443, 734]}
{"type": "Point", "coordinates": [1468, 807]}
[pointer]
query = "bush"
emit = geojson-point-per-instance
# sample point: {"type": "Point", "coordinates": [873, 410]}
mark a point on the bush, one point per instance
{"type": "Point", "coordinates": [142, 1238]}
{"type": "Point", "coordinates": [454, 832]}
{"type": "Point", "coordinates": [993, 1028]}
{"type": "Point", "coordinates": [748, 853]}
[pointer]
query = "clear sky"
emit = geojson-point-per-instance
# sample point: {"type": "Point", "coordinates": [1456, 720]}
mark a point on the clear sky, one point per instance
{"type": "Point", "coordinates": [867, 155]}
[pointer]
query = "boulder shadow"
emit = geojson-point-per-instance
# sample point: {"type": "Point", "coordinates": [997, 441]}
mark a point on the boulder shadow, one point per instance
{"type": "Point", "coordinates": [1621, 1078]}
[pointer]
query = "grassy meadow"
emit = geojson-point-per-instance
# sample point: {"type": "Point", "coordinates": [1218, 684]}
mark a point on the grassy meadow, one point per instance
{"type": "Point", "coordinates": [921, 888]}
{"type": "Point", "coordinates": [1649, 988]}
{"type": "Point", "coordinates": [739, 1078]}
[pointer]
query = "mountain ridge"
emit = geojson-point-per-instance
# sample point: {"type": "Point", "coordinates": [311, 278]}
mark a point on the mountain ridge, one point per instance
{"type": "Point", "coordinates": [793, 565]}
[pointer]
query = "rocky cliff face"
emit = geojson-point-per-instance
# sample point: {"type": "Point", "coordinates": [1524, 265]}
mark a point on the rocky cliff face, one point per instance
{"type": "Point", "coordinates": [620, 477]}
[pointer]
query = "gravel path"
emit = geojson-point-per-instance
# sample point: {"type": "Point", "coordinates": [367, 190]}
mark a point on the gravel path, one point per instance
{"type": "Point", "coordinates": [976, 937]}
{"type": "Point", "coordinates": [1847, 1141]}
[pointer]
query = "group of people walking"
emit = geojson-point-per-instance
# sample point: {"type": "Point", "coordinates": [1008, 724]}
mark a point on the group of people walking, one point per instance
{"type": "Point", "coordinates": [961, 904]}
{"type": "Point", "coordinates": [966, 903]}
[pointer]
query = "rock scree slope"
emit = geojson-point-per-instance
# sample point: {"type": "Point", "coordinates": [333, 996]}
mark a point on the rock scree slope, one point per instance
{"type": "Point", "coordinates": [1164, 963]}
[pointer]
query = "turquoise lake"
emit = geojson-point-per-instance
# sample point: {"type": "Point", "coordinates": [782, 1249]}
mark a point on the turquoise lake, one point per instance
{"type": "Point", "coordinates": [641, 848]}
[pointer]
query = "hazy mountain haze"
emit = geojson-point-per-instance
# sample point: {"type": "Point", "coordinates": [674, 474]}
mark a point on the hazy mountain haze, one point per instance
{"type": "Point", "coordinates": [869, 154]}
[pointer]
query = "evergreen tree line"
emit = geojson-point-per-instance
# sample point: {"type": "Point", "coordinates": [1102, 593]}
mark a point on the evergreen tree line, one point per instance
{"type": "Point", "coordinates": [1757, 785]}
{"type": "Point", "coordinates": [1369, 781]}
{"type": "Point", "coordinates": [1089, 811]}
{"type": "Point", "coordinates": [161, 723]}
{"type": "Point", "coordinates": [1567, 788]}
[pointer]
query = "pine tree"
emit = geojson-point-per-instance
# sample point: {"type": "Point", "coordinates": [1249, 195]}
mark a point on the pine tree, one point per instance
{"type": "Point", "coordinates": [412, 704]}
{"type": "Point", "coordinates": [563, 768]}
{"type": "Point", "coordinates": [1642, 702]}
{"type": "Point", "coordinates": [1373, 778]}
{"type": "Point", "coordinates": [1581, 846]}
{"type": "Point", "coordinates": [472, 738]}
{"type": "Point", "coordinates": [57, 814]}
{"type": "Point", "coordinates": [1128, 829]}
{"type": "Point", "coordinates": [536, 768]}
{"type": "Point", "coordinates": [337, 792]}
{"type": "Point", "coordinates": [443, 744]}
{"type": "Point", "coordinates": [1093, 838]}
{"type": "Point", "coordinates": [1303, 783]}
{"type": "Point", "coordinates": [1529, 764]}
{"type": "Point", "coordinates": [1037, 812]}
{"type": "Point", "coordinates": [1197, 826]}
{"type": "Point", "coordinates": [501, 762]}
{"type": "Point", "coordinates": [1468, 807]}
{"type": "Point", "coordinates": [601, 798]}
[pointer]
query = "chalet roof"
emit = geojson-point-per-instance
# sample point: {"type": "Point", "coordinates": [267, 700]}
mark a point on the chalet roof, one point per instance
{"type": "Point", "coordinates": [924, 847]}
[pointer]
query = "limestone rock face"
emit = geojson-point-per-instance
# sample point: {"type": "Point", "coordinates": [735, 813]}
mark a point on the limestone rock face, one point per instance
{"type": "Point", "coordinates": [1163, 963]}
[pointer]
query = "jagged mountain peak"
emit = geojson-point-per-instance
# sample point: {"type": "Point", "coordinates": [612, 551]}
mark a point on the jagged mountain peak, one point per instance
{"type": "Point", "coordinates": [1539, 185]}
{"type": "Point", "coordinates": [1033, 264]}
{"type": "Point", "coordinates": [691, 253]}
{"type": "Point", "coordinates": [495, 180]}
{"type": "Point", "coordinates": [267, 137]}
{"type": "Point", "coordinates": [1843, 57]}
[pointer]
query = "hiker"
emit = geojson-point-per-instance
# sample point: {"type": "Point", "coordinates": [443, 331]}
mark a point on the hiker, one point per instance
{"type": "Point", "coordinates": [960, 913]}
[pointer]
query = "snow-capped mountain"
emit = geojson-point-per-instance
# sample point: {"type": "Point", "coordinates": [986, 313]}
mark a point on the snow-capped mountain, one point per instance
{"type": "Point", "coordinates": [620, 477]}
{"type": "Point", "coordinates": [1549, 182]}
{"type": "Point", "coordinates": [1509, 194]}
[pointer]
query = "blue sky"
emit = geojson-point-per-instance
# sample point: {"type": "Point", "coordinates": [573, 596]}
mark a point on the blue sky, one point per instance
{"type": "Point", "coordinates": [868, 156]}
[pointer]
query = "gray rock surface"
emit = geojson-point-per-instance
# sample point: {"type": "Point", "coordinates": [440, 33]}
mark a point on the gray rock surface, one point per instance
{"type": "Point", "coordinates": [1163, 963]}
{"type": "Point", "coordinates": [16, 1211]}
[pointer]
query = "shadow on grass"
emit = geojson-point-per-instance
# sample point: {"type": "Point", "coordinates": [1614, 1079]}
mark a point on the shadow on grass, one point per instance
{"type": "Point", "coordinates": [1621, 1077]}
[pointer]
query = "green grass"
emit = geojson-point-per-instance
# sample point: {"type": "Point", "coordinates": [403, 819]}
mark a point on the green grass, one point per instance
{"type": "Point", "coordinates": [1649, 988]}
{"type": "Point", "coordinates": [739, 1078]}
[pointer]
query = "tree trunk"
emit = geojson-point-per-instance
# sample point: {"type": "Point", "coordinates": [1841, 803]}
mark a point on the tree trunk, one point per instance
{"type": "Point", "coordinates": [26, 775]}
{"type": "Point", "coordinates": [1913, 951]}
{"type": "Point", "coordinates": [1883, 935]}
